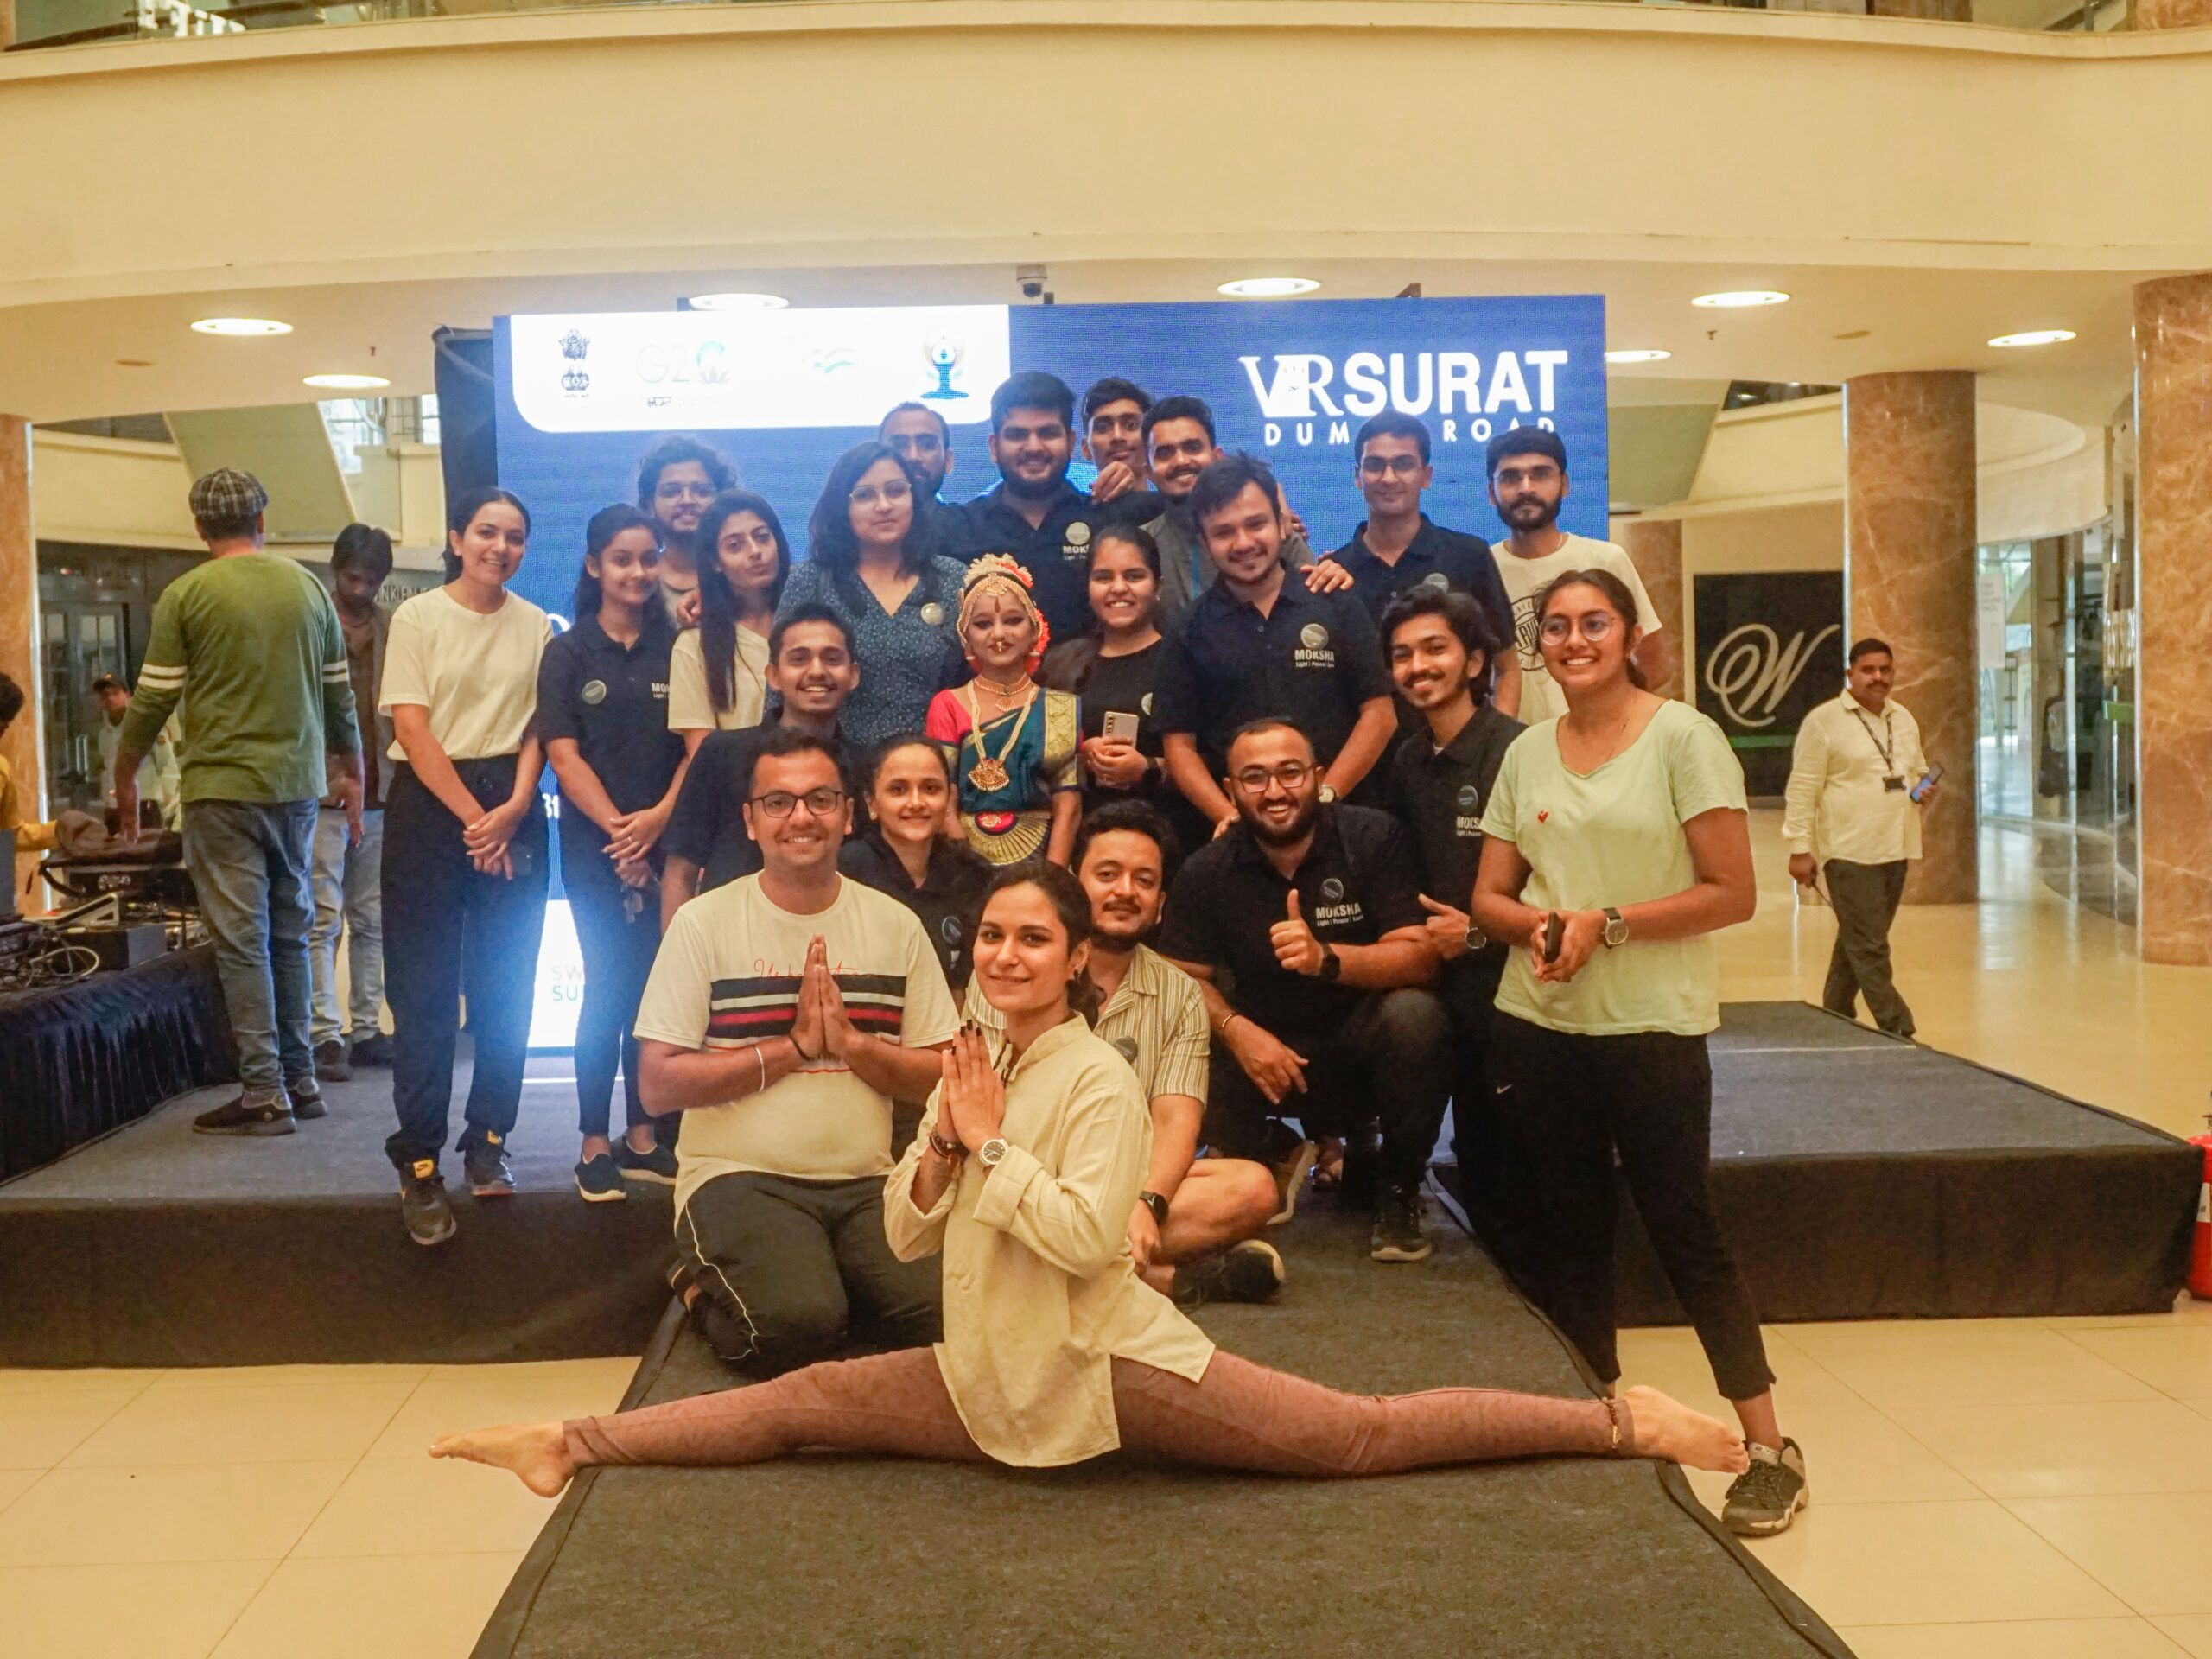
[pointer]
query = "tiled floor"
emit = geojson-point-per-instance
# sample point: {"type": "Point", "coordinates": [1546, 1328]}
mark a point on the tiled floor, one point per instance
{"type": "Point", "coordinates": [2032, 1488]}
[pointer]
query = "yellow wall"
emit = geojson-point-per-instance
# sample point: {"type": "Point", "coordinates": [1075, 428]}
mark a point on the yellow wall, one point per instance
{"type": "Point", "coordinates": [110, 491]}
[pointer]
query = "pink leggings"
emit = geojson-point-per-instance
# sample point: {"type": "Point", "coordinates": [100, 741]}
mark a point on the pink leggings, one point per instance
{"type": "Point", "coordinates": [1239, 1416]}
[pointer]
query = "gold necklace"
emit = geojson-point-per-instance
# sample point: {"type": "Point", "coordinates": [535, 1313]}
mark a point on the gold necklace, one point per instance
{"type": "Point", "coordinates": [990, 775]}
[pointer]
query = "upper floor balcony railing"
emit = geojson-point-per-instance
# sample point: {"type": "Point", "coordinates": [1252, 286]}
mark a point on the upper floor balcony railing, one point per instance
{"type": "Point", "coordinates": [42, 24]}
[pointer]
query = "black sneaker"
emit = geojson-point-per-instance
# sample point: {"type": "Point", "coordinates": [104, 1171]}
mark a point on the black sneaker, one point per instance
{"type": "Point", "coordinates": [1249, 1272]}
{"type": "Point", "coordinates": [422, 1203]}
{"type": "Point", "coordinates": [489, 1174]}
{"type": "Point", "coordinates": [599, 1182]}
{"type": "Point", "coordinates": [370, 1050]}
{"type": "Point", "coordinates": [307, 1099]}
{"type": "Point", "coordinates": [1400, 1234]}
{"type": "Point", "coordinates": [658, 1165]}
{"type": "Point", "coordinates": [1766, 1497]}
{"type": "Point", "coordinates": [242, 1117]}
{"type": "Point", "coordinates": [331, 1064]}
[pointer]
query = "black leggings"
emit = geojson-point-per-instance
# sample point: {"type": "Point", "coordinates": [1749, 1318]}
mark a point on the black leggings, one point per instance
{"type": "Point", "coordinates": [1568, 1104]}
{"type": "Point", "coordinates": [617, 939]}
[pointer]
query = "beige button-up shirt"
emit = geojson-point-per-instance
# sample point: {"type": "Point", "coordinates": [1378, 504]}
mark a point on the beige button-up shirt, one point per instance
{"type": "Point", "coordinates": [1835, 804]}
{"type": "Point", "coordinates": [1040, 1295]}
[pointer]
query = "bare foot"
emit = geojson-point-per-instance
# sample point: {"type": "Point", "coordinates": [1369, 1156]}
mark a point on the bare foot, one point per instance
{"type": "Point", "coordinates": [535, 1453]}
{"type": "Point", "coordinates": [1667, 1428]}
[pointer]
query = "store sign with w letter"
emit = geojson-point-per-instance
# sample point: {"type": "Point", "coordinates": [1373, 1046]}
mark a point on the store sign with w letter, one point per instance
{"type": "Point", "coordinates": [1770, 649]}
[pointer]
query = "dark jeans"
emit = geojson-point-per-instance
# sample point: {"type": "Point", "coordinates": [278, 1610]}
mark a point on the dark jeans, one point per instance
{"type": "Point", "coordinates": [1865, 897]}
{"type": "Point", "coordinates": [1574, 1103]}
{"type": "Point", "coordinates": [1391, 1061]}
{"type": "Point", "coordinates": [439, 914]}
{"type": "Point", "coordinates": [787, 1266]}
{"type": "Point", "coordinates": [618, 948]}
{"type": "Point", "coordinates": [249, 862]}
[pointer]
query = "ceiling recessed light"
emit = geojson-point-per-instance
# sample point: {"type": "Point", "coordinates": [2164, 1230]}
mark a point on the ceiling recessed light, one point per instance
{"type": "Point", "coordinates": [1739, 298]}
{"type": "Point", "coordinates": [240, 326]}
{"type": "Point", "coordinates": [2034, 337]}
{"type": "Point", "coordinates": [347, 382]}
{"type": "Point", "coordinates": [738, 301]}
{"type": "Point", "coordinates": [1267, 288]}
{"type": "Point", "coordinates": [1644, 356]}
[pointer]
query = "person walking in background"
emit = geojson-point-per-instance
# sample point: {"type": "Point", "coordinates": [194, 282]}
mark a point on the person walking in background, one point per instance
{"type": "Point", "coordinates": [1614, 842]}
{"type": "Point", "coordinates": [677, 478]}
{"type": "Point", "coordinates": [347, 869]}
{"type": "Point", "coordinates": [1853, 810]}
{"type": "Point", "coordinates": [871, 559]}
{"type": "Point", "coordinates": [603, 690]}
{"type": "Point", "coordinates": [718, 672]}
{"type": "Point", "coordinates": [1527, 486]}
{"type": "Point", "coordinates": [1014, 744]}
{"type": "Point", "coordinates": [253, 642]}
{"type": "Point", "coordinates": [464, 864]}
{"type": "Point", "coordinates": [159, 780]}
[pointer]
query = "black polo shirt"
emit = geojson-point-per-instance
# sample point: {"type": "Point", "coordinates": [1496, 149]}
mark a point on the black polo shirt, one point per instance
{"type": "Point", "coordinates": [1312, 660]}
{"type": "Point", "coordinates": [1359, 882]}
{"type": "Point", "coordinates": [1440, 795]}
{"type": "Point", "coordinates": [612, 701]}
{"type": "Point", "coordinates": [1461, 561]}
{"type": "Point", "coordinates": [948, 900]}
{"type": "Point", "coordinates": [1056, 551]}
{"type": "Point", "coordinates": [708, 826]}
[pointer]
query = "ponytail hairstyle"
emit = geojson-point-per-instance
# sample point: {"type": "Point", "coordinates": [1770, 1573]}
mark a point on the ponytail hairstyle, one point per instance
{"type": "Point", "coordinates": [1072, 904]}
{"type": "Point", "coordinates": [606, 524]}
{"type": "Point", "coordinates": [461, 513]}
{"type": "Point", "coordinates": [718, 606]}
{"type": "Point", "coordinates": [1618, 600]}
{"type": "Point", "coordinates": [1067, 668]}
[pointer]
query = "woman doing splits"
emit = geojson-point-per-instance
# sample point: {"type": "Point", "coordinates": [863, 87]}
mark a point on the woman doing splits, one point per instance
{"type": "Point", "coordinates": [1614, 842]}
{"type": "Point", "coordinates": [1054, 1349]}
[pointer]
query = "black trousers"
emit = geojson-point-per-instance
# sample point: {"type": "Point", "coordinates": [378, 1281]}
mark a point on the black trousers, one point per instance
{"type": "Point", "coordinates": [440, 914]}
{"type": "Point", "coordinates": [1390, 1060]}
{"type": "Point", "coordinates": [1865, 897]}
{"type": "Point", "coordinates": [618, 939]}
{"type": "Point", "coordinates": [1494, 1177]}
{"type": "Point", "coordinates": [787, 1267]}
{"type": "Point", "coordinates": [1574, 1103]}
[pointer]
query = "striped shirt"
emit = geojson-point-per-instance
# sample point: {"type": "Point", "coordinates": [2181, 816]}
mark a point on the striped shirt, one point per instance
{"type": "Point", "coordinates": [1156, 1021]}
{"type": "Point", "coordinates": [727, 977]}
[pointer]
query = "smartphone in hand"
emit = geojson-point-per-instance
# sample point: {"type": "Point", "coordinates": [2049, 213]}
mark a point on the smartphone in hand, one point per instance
{"type": "Point", "coordinates": [1554, 932]}
{"type": "Point", "coordinates": [1120, 724]}
{"type": "Point", "coordinates": [1927, 780]}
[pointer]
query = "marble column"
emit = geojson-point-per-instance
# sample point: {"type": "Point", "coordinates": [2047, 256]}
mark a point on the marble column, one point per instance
{"type": "Point", "coordinates": [1654, 547]}
{"type": "Point", "coordinates": [2173, 595]}
{"type": "Point", "coordinates": [2172, 13]}
{"type": "Point", "coordinates": [1909, 578]}
{"type": "Point", "coordinates": [19, 620]}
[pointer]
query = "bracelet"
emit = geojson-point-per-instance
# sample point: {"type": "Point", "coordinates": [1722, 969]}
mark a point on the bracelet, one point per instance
{"type": "Point", "coordinates": [951, 1151]}
{"type": "Point", "coordinates": [802, 1053]}
{"type": "Point", "coordinates": [761, 1058]}
{"type": "Point", "coordinates": [1235, 1014]}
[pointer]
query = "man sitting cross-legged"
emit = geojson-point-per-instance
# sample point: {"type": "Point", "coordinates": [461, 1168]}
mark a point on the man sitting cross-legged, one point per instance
{"type": "Point", "coordinates": [785, 1014]}
{"type": "Point", "coordinates": [1192, 1232]}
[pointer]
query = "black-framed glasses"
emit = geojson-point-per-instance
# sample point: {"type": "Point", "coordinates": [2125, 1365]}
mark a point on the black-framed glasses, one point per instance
{"type": "Point", "coordinates": [1290, 774]}
{"type": "Point", "coordinates": [780, 803]}
{"type": "Point", "coordinates": [1403, 466]}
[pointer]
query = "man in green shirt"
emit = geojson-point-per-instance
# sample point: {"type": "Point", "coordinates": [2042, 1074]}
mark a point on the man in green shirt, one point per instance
{"type": "Point", "coordinates": [250, 639]}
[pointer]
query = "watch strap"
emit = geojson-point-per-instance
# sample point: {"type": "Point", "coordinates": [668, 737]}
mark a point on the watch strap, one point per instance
{"type": "Point", "coordinates": [1614, 924]}
{"type": "Point", "coordinates": [1157, 1205]}
{"type": "Point", "coordinates": [952, 1150]}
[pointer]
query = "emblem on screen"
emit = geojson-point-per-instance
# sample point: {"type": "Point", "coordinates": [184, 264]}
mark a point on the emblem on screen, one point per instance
{"type": "Point", "coordinates": [943, 353]}
{"type": "Point", "coordinates": [713, 362]}
{"type": "Point", "coordinates": [573, 345]}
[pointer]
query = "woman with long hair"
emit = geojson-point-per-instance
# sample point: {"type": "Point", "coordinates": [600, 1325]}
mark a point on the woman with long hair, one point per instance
{"type": "Point", "coordinates": [871, 559]}
{"type": "Point", "coordinates": [1112, 666]}
{"type": "Point", "coordinates": [904, 851]}
{"type": "Point", "coordinates": [602, 711]}
{"type": "Point", "coordinates": [1014, 742]}
{"type": "Point", "coordinates": [1614, 844]}
{"type": "Point", "coordinates": [718, 672]}
{"type": "Point", "coordinates": [1055, 1351]}
{"type": "Point", "coordinates": [464, 853]}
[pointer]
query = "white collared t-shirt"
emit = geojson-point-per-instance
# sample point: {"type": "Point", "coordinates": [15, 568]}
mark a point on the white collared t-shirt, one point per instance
{"type": "Point", "coordinates": [1525, 579]}
{"type": "Point", "coordinates": [1836, 803]}
{"type": "Point", "coordinates": [1615, 837]}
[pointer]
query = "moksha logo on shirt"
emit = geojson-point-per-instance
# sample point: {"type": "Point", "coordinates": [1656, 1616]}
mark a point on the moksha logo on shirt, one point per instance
{"type": "Point", "coordinates": [1307, 390]}
{"type": "Point", "coordinates": [1313, 648]}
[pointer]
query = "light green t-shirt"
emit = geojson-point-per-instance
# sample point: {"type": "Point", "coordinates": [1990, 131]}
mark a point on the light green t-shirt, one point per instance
{"type": "Point", "coordinates": [1615, 837]}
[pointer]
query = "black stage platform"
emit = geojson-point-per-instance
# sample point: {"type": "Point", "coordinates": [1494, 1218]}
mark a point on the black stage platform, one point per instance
{"type": "Point", "coordinates": [870, 1559]}
{"type": "Point", "coordinates": [1860, 1177]}
{"type": "Point", "coordinates": [160, 1247]}
{"type": "Point", "coordinates": [1863, 1177]}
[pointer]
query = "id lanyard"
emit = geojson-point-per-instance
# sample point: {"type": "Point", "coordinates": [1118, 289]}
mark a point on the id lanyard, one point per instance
{"type": "Point", "coordinates": [1887, 751]}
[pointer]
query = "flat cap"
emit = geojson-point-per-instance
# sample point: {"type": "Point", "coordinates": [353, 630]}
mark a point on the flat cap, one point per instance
{"type": "Point", "coordinates": [225, 497]}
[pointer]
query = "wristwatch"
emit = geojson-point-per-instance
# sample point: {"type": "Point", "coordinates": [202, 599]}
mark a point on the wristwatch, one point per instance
{"type": "Point", "coordinates": [990, 1152]}
{"type": "Point", "coordinates": [1615, 928]}
{"type": "Point", "coordinates": [1331, 965]}
{"type": "Point", "coordinates": [1328, 794]}
{"type": "Point", "coordinates": [1476, 937]}
{"type": "Point", "coordinates": [1157, 1205]}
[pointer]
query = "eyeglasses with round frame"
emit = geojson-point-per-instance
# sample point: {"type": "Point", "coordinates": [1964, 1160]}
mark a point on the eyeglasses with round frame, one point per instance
{"type": "Point", "coordinates": [781, 802]}
{"type": "Point", "coordinates": [1598, 624]}
{"type": "Point", "coordinates": [1289, 773]}
{"type": "Point", "coordinates": [866, 495]}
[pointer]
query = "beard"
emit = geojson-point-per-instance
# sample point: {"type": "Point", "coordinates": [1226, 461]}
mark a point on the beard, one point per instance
{"type": "Point", "coordinates": [1118, 933]}
{"type": "Point", "coordinates": [1531, 515]}
{"type": "Point", "coordinates": [1295, 831]}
